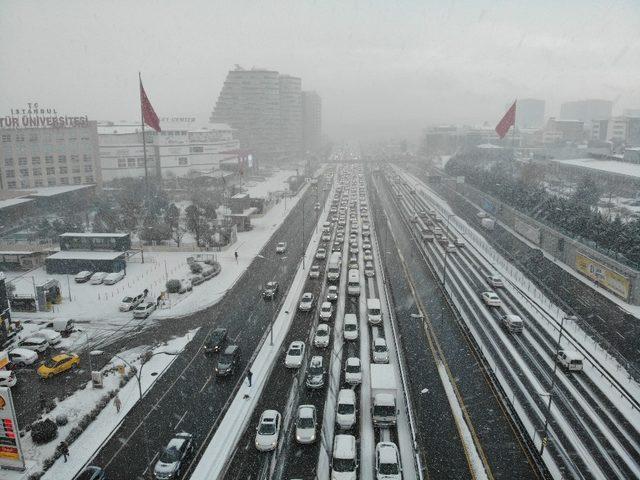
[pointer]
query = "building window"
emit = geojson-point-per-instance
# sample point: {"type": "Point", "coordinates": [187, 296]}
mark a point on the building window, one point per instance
{"type": "Point", "coordinates": [6, 138]}
{"type": "Point", "coordinates": [59, 140]}
{"type": "Point", "coordinates": [48, 159]}
{"type": "Point", "coordinates": [88, 168]}
{"type": "Point", "coordinates": [72, 139]}
{"type": "Point", "coordinates": [85, 139]}
{"type": "Point", "coordinates": [46, 139]}
{"type": "Point", "coordinates": [63, 170]}
{"type": "Point", "coordinates": [24, 172]}
{"type": "Point", "coordinates": [64, 181]}
{"type": "Point", "coordinates": [22, 161]}
{"type": "Point", "coordinates": [75, 169]}
{"type": "Point", "coordinates": [39, 183]}
{"type": "Point", "coordinates": [19, 137]}
{"type": "Point", "coordinates": [37, 172]}
{"type": "Point", "coordinates": [131, 162]}
{"type": "Point", "coordinates": [10, 173]}
{"type": "Point", "coordinates": [8, 162]}
{"type": "Point", "coordinates": [182, 161]}
{"type": "Point", "coordinates": [87, 158]}
{"type": "Point", "coordinates": [24, 184]}
{"type": "Point", "coordinates": [35, 160]}
{"type": "Point", "coordinates": [141, 162]}
{"type": "Point", "coordinates": [51, 182]}
{"type": "Point", "coordinates": [51, 171]}
{"type": "Point", "coordinates": [89, 179]}
{"type": "Point", "coordinates": [62, 159]}
{"type": "Point", "coordinates": [75, 158]}
{"type": "Point", "coordinates": [11, 184]}
{"type": "Point", "coordinates": [122, 163]}
{"type": "Point", "coordinates": [33, 137]}
{"type": "Point", "coordinates": [77, 180]}
{"type": "Point", "coordinates": [196, 149]}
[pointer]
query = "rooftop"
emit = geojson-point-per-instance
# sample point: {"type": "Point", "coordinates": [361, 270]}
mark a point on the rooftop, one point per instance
{"type": "Point", "coordinates": [609, 166]}
{"type": "Point", "coordinates": [52, 191]}
{"type": "Point", "coordinates": [94, 235]}
{"type": "Point", "coordinates": [10, 202]}
{"type": "Point", "coordinates": [76, 255]}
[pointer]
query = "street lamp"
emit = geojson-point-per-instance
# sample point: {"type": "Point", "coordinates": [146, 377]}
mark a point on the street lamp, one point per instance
{"type": "Point", "coordinates": [444, 274]}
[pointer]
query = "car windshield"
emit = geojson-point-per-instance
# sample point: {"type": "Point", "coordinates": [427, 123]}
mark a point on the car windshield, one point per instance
{"type": "Point", "coordinates": [170, 455]}
{"type": "Point", "coordinates": [389, 468]}
{"type": "Point", "coordinates": [353, 368]}
{"type": "Point", "coordinates": [225, 359]}
{"type": "Point", "coordinates": [344, 465]}
{"type": "Point", "coordinates": [316, 370]}
{"type": "Point", "coordinates": [50, 363]}
{"type": "Point", "coordinates": [267, 428]}
{"type": "Point", "coordinates": [350, 327]}
{"type": "Point", "coordinates": [322, 332]}
{"type": "Point", "coordinates": [305, 422]}
{"type": "Point", "coordinates": [127, 300]}
{"type": "Point", "coordinates": [380, 348]}
{"type": "Point", "coordinates": [295, 351]}
{"type": "Point", "coordinates": [346, 408]}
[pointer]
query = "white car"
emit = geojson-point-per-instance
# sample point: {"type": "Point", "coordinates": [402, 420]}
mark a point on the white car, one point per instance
{"type": "Point", "coordinates": [346, 410]}
{"type": "Point", "coordinates": [113, 278]}
{"type": "Point", "coordinates": [450, 248]}
{"type": "Point", "coordinates": [22, 357]}
{"type": "Point", "coordinates": [83, 276]}
{"type": "Point", "coordinates": [8, 378]}
{"type": "Point", "coordinates": [353, 371]}
{"type": "Point", "coordinates": [369, 270]}
{"type": "Point", "coordinates": [388, 462]}
{"type": "Point", "coordinates": [314, 272]}
{"type": "Point", "coordinates": [495, 281]}
{"type": "Point", "coordinates": [332, 293]}
{"type": "Point", "coordinates": [97, 278]}
{"type": "Point", "coordinates": [281, 247]}
{"type": "Point", "coordinates": [326, 311]}
{"type": "Point", "coordinates": [37, 344]}
{"type": "Point", "coordinates": [380, 352]}
{"type": "Point", "coordinates": [350, 326]}
{"type": "Point", "coordinates": [325, 237]}
{"type": "Point", "coordinates": [458, 242]}
{"type": "Point", "coordinates": [129, 303]}
{"type": "Point", "coordinates": [366, 246]}
{"type": "Point", "coordinates": [321, 254]}
{"type": "Point", "coordinates": [268, 431]}
{"type": "Point", "coordinates": [491, 299]}
{"type": "Point", "coordinates": [306, 302]}
{"type": "Point", "coordinates": [306, 424]}
{"type": "Point", "coordinates": [144, 310]}
{"type": "Point", "coordinates": [295, 354]}
{"type": "Point", "coordinates": [51, 336]}
{"type": "Point", "coordinates": [321, 338]}
{"type": "Point", "coordinates": [368, 257]}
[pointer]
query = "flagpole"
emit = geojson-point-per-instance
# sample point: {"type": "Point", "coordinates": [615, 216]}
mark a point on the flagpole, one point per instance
{"type": "Point", "coordinates": [144, 145]}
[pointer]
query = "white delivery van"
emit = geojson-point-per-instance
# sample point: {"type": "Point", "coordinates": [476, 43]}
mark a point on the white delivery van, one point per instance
{"type": "Point", "coordinates": [353, 282]}
{"type": "Point", "coordinates": [570, 360]}
{"type": "Point", "coordinates": [374, 312]}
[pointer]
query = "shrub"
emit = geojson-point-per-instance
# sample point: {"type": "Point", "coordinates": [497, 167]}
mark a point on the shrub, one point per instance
{"type": "Point", "coordinates": [61, 420]}
{"type": "Point", "coordinates": [196, 268]}
{"type": "Point", "coordinates": [173, 286]}
{"type": "Point", "coordinates": [44, 431]}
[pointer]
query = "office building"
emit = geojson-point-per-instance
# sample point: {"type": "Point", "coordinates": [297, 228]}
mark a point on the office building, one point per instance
{"type": "Point", "coordinates": [290, 99]}
{"type": "Point", "coordinates": [586, 110]}
{"type": "Point", "coordinates": [530, 113]}
{"type": "Point", "coordinates": [311, 121]}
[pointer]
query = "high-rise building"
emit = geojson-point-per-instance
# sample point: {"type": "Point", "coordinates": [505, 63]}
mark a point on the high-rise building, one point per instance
{"type": "Point", "coordinates": [250, 103]}
{"type": "Point", "coordinates": [586, 110]}
{"type": "Point", "coordinates": [311, 121]}
{"type": "Point", "coordinates": [290, 98]}
{"type": "Point", "coordinates": [530, 113]}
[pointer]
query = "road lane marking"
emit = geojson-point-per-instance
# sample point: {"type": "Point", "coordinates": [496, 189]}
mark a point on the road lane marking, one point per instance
{"type": "Point", "coordinates": [181, 418]}
{"type": "Point", "coordinates": [205, 383]}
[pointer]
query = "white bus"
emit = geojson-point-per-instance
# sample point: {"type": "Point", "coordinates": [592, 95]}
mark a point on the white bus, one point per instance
{"type": "Point", "coordinates": [353, 282]}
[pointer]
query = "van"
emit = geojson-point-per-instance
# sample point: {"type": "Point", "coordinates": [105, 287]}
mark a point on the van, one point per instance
{"type": "Point", "coordinates": [353, 282]}
{"type": "Point", "coordinates": [570, 360]}
{"type": "Point", "coordinates": [63, 325]}
{"type": "Point", "coordinates": [346, 411]}
{"type": "Point", "coordinates": [374, 312]}
{"type": "Point", "coordinates": [344, 462]}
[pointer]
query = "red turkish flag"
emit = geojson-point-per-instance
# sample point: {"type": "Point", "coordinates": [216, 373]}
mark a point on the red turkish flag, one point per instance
{"type": "Point", "coordinates": [507, 121]}
{"type": "Point", "coordinates": [148, 114]}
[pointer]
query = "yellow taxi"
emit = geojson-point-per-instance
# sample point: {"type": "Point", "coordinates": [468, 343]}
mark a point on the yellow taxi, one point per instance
{"type": "Point", "coordinates": [58, 364]}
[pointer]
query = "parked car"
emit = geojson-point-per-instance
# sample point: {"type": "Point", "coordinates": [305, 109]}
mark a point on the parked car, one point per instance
{"type": "Point", "coordinates": [295, 354]}
{"type": "Point", "coordinates": [144, 310]}
{"type": "Point", "coordinates": [326, 311]}
{"type": "Point", "coordinates": [306, 302]}
{"type": "Point", "coordinates": [315, 373]}
{"type": "Point", "coordinates": [495, 281]}
{"type": "Point", "coordinates": [346, 412]}
{"type": "Point", "coordinates": [332, 293]}
{"type": "Point", "coordinates": [322, 336]}
{"type": "Point", "coordinates": [83, 276]}
{"type": "Point", "coordinates": [268, 431]}
{"type": "Point", "coordinates": [214, 341]}
{"type": "Point", "coordinates": [172, 458]}
{"type": "Point", "coordinates": [37, 344]}
{"type": "Point", "coordinates": [314, 272]}
{"type": "Point", "coordinates": [92, 473]}
{"type": "Point", "coordinates": [113, 278]}
{"type": "Point", "coordinates": [8, 378]}
{"type": "Point", "coordinates": [129, 303]}
{"type": "Point", "coordinates": [21, 357]}
{"type": "Point", "coordinates": [388, 462]}
{"type": "Point", "coordinates": [58, 364]}
{"type": "Point", "coordinates": [353, 371]}
{"type": "Point", "coordinates": [97, 278]}
{"type": "Point", "coordinates": [281, 247]}
{"type": "Point", "coordinates": [306, 424]}
{"type": "Point", "coordinates": [491, 299]}
{"type": "Point", "coordinates": [51, 336]}
{"type": "Point", "coordinates": [380, 351]}
{"type": "Point", "coordinates": [228, 360]}
{"type": "Point", "coordinates": [270, 290]}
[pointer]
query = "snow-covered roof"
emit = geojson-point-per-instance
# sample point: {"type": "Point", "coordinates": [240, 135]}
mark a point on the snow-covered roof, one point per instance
{"type": "Point", "coordinates": [10, 202]}
{"type": "Point", "coordinates": [18, 252]}
{"type": "Point", "coordinates": [51, 191]}
{"type": "Point", "coordinates": [93, 235]}
{"type": "Point", "coordinates": [488, 145]}
{"type": "Point", "coordinates": [78, 255]}
{"type": "Point", "coordinates": [609, 166]}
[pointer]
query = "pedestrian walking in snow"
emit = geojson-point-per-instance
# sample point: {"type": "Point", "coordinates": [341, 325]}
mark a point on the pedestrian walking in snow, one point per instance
{"type": "Point", "coordinates": [118, 403]}
{"type": "Point", "coordinates": [249, 377]}
{"type": "Point", "coordinates": [236, 255]}
{"type": "Point", "coordinates": [158, 300]}
{"type": "Point", "coordinates": [63, 448]}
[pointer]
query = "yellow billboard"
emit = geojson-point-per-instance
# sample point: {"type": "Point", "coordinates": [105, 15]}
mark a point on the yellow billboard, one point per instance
{"type": "Point", "coordinates": [605, 277]}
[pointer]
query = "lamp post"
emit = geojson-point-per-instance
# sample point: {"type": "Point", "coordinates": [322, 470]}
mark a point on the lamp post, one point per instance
{"type": "Point", "coordinates": [303, 244]}
{"type": "Point", "coordinates": [444, 274]}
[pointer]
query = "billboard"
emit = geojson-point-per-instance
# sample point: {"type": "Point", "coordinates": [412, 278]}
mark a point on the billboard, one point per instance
{"type": "Point", "coordinates": [607, 278]}
{"type": "Point", "coordinates": [527, 231]}
{"type": "Point", "coordinates": [10, 449]}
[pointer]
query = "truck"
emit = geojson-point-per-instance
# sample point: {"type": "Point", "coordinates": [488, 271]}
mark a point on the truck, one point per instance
{"type": "Point", "coordinates": [384, 391]}
{"type": "Point", "coordinates": [335, 265]}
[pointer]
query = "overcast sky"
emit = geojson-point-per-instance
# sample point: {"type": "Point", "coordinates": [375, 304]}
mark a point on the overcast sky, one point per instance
{"type": "Point", "coordinates": [383, 68]}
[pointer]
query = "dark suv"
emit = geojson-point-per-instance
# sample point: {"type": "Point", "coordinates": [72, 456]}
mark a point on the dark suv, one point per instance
{"type": "Point", "coordinates": [215, 340]}
{"type": "Point", "coordinates": [228, 360]}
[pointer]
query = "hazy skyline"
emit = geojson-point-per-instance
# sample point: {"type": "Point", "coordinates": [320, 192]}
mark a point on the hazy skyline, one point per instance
{"type": "Point", "coordinates": [382, 68]}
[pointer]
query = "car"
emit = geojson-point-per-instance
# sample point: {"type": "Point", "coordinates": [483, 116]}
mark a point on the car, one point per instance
{"type": "Point", "coordinates": [326, 236]}
{"type": "Point", "coordinates": [316, 206]}
{"type": "Point", "coordinates": [322, 336]}
{"type": "Point", "coordinates": [270, 290]}
{"type": "Point", "coordinates": [450, 248]}
{"type": "Point", "coordinates": [353, 371]}
{"type": "Point", "coordinates": [92, 473]}
{"type": "Point", "coordinates": [388, 462]}
{"type": "Point", "coordinates": [332, 293]}
{"type": "Point", "coordinates": [326, 311]}
{"type": "Point", "coordinates": [314, 272]}
{"type": "Point", "coordinates": [495, 281]}
{"type": "Point", "coordinates": [491, 299]}
{"type": "Point", "coordinates": [350, 326]}
{"type": "Point", "coordinates": [369, 270]}
{"type": "Point", "coordinates": [129, 303]}
{"type": "Point", "coordinates": [144, 310]}
{"type": "Point", "coordinates": [306, 424]}
{"type": "Point", "coordinates": [172, 458]}
{"type": "Point", "coordinates": [58, 364]}
{"type": "Point", "coordinates": [380, 351]}
{"type": "Point", "coordinates": [214, 341]}
{"type": "Point", "coordinates": [458, 242]}
{"type": "Point", "coordinates": [315, 373]}
{"type": "Point", "coordinates": [228, 360]}
{"type": "Point", "coordinates": [346, 412]}
{"type": "Point", "coordinates": [281, 247]}
{"type": "Point", "coordinates": [306, 302]}
{"type": "Point", "coordinates": [8, 378]}
{"type": "Point", "coordinates": [366, 246]}
{"type": "Point", "coordinates": [268, 430]}
{"type": "Point", "coordinates": [368, 257]}
{"type": "Point", "coordinates": [51, 336]}
{"type": "Point", "coordinates": [295, 354]}
{"type": "Point", "coordinates": [570, 360]}
{"type": "Point", "coordinates": [37, 344]}
{"type": "Point", "coordinates": [83, 276]}
{"type": "Point", "coordinates": [21, 357]}
{"type": "Point", "coordinates": [113, 278]}
{"type": "Point", "coordinates": [352, 265]}
{"type": "Point", "coordinates": [512, 323]}
{"type": "Point", "coordinates": [97, 278]}
{"type": "Point", "coordinates": [344, 461]}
